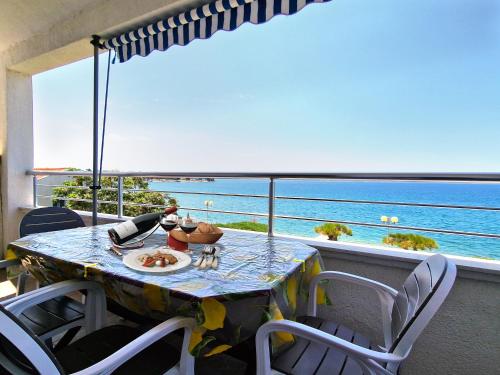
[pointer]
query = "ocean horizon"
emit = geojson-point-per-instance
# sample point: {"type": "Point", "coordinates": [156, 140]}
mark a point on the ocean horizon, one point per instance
{"type": "Point", "coordinates": [455, 193]}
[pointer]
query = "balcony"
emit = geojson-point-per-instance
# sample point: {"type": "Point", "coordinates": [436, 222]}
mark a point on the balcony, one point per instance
{"type": "Point", "coordinates": [463, 336]}
{"type": "Point", "coordinates": [463, 323]}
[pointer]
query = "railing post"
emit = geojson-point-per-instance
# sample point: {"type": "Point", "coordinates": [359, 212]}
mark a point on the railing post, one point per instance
{"type": "Point", "coordinates": [270, 218]}
{"type": "Point", "coordinates": [120, 196]}
{"type": "Point", "coordinates": [35, 191]}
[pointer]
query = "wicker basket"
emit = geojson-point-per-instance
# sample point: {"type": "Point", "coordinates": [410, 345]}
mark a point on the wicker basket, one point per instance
{"type": "Point", "coordinates": [197, 236]}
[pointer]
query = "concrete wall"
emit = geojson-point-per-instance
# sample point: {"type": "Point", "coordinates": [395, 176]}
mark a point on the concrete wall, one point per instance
{"type": "Point", "coordinates": [463, 338]}
{"type": "Point", "coordinates": [16, 139]}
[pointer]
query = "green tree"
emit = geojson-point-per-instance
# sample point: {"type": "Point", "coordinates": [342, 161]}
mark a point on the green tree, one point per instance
{"type": "Point", "coordinates": [333, 230]}
{"type": "Point", "coordinates": [71, 189]}
{"type": "Point", "coordinates": [410, 241]}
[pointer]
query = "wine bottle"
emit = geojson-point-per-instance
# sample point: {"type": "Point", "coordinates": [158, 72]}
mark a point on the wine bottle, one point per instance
{"type": "Point", "coordinates": [129, 229]}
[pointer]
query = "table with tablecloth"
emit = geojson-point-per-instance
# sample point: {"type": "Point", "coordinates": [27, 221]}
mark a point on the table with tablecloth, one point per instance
{"type": "Point", "coordinates": [258, 278]}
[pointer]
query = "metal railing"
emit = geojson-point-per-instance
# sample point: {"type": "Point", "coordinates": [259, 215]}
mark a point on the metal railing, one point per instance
{"type": "Point", "coordinates": [272, 198]}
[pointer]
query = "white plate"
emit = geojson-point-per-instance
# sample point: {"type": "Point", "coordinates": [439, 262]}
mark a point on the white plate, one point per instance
{"type": "Point", "coordinates": [131, 260]}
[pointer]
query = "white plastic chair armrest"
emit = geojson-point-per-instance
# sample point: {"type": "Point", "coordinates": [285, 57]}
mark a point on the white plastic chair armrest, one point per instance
{"type": "Point", "coordinates": [115, 360]}
{"type": "Point", "coordinates": [95, 300]}
{"type": "Point", "coordinates": [365, 357]}
{"type": "Point", "coordinates": [385, 293]}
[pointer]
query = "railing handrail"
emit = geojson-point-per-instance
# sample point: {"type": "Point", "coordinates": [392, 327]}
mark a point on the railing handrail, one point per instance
{"type": "Point", "coordinates": [431, 176]}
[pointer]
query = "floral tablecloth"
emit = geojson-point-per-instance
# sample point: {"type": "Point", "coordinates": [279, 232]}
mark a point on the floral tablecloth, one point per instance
{"type": "Point", "coordinates": [258, 279]}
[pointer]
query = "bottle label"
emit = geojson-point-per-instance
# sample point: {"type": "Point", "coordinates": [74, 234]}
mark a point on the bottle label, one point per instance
{"type": "Point", "coordinates": [126, 229]}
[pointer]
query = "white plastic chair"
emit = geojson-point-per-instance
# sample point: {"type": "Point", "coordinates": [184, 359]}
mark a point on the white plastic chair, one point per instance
{"type": "Point", "coordinates": [324, 347]}
{"type": "Point", "coordinates": [21, 351]}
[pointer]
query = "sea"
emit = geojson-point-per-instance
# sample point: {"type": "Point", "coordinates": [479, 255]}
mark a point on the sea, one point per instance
{"type": "Point", "coordinates": [445, 193]}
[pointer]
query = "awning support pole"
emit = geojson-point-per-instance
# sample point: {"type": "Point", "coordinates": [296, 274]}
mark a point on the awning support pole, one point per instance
{"type": "Point", "coordinates": [95, 149]}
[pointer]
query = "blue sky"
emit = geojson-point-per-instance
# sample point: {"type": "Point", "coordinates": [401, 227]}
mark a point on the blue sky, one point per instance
{"type": "Point", "coordinates": [351, 85]}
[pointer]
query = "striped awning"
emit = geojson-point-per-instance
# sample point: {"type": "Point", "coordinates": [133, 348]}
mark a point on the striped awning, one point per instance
{"type": "Point", "coordinates": [200, 23]}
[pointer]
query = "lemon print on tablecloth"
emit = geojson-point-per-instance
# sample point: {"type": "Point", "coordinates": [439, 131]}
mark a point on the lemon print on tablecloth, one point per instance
{"type": "Point", "coordinates": [154, 297]}
{"type": "Point", "coordinates": [313, 267]}
{"type": "Point", "coordinates": [196, 337]}
{"type": "Point", "coordinates": [321, 297]}
{"type": "Point", "coordinates": [198, 343]}
{"type": "Point", "coordinates": [218, 349]}
{"type": "Point", "coordinates": [280, 337]}
{"type": "Point", "coordinates": [291, 292]}
{"type": "Point", "coordinates": [270, 277]}
{"type": "Point", "coordinates": [316, 268]}
{"type": "Point", "coordinates": [15, 270]}
{"type": "Point", "coordinates": [214, 313]}
{"type": "Point", "coordinates": [9, 254]}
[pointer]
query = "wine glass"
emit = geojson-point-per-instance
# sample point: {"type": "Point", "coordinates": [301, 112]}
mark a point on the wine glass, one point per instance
{"type": "Point", "coordinates": [168, 222]}
{"type": "Point", "coordinates": [188, 226]}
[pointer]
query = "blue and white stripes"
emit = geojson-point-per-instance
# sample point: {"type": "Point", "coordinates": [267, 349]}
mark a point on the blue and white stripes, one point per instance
{"type": "Point", "coordinates": [200, 23]}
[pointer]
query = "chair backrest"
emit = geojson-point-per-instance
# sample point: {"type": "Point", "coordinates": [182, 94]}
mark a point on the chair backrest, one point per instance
{"type": "Point", "coordinates": [418, 300]}
{"type": "Point", "coordinates": [21, 351]}
{"type": "Point", "coordinates": [48, 219]}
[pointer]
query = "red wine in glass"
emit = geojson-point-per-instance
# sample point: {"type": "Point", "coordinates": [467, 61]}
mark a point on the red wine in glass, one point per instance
{"type": "Point", "coordinates": [188, 226]}
{"type": "Point", "coordinates": [168, 222]}
{"type": "Point", "coordinates": [167, 225]}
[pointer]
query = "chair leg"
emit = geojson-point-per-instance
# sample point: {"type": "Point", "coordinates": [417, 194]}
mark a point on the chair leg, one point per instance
{"type": "Point", "coordinates": [66, 339]}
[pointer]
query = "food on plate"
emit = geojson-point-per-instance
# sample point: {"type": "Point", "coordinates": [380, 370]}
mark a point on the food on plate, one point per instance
{"type": "Point", "coordinates": [158, 259]}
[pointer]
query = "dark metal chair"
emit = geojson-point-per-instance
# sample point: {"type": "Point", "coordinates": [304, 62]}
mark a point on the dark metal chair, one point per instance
{"type": "Point", "coordinates": [325, 347]}
{"type": "Point", "coordinates": [60, 314]}
{"type": "Point", "coordinates": [49, 219]}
